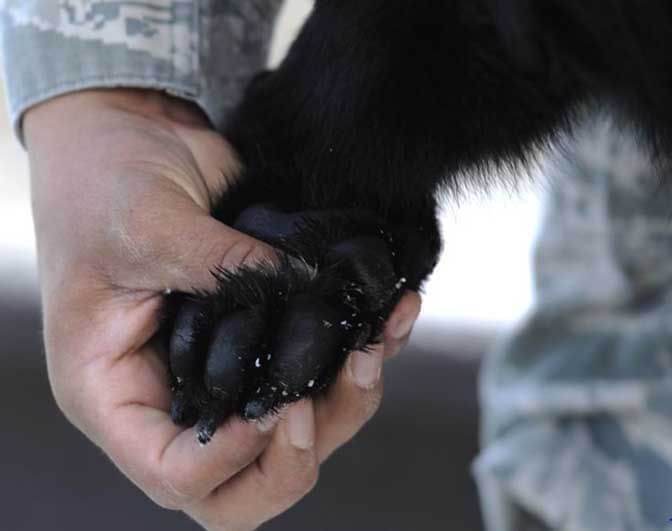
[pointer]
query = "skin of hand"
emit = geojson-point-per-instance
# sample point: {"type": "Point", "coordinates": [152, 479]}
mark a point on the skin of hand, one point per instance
{"type": "Point", "coordinates": [122, 182]}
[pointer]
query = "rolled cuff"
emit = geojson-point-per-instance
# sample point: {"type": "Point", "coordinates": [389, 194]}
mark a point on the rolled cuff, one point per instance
{"type": "Point", "coordinates": [51, 48]}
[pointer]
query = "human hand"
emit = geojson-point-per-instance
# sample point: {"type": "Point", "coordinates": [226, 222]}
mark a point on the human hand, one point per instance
{"type": "Point", "coordinates": [122, 184]}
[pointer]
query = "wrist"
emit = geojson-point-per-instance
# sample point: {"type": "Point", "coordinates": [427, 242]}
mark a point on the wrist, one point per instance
{"type": "Point", "coordinates": [64, 111]}
{"type": "Point", "coordinates": [152, 104]}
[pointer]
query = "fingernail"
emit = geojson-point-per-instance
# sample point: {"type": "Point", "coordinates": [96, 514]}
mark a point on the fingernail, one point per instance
{"type": "Point", "coordinates": [301, 425]}
{"type": "Point", "coordinates": [366, 368]}
{"type": "Point", "coordinates": [403, 326]}
{"type": "Point", "coordinates": [267, 423]}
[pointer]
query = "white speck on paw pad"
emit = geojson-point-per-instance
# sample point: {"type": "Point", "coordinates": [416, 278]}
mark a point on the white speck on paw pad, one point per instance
{"type": "Point", "coordinates": [311, 384]}
{"type": "Point", "coordinates": [257, 363]}
{"type": "Point", "coordinates": [327, 324]}
{"type": "Point", "coordinates": [401, 282]}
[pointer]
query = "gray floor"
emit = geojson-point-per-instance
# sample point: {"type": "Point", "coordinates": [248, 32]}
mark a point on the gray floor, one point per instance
{"type": "Point", "coordinates": [407, 471]}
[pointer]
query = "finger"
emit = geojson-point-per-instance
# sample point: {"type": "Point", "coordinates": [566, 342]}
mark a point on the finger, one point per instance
{"type": "Point", "coordinates": [282, 475]}
{"type": "Point", "coordinates": [167, 461]}
{"type": "Point", "coordinates": [170, 466]}
{"type": "Point", "coordinates": [185, 259]}
{"type": "Point", "coordinates": [357, 393]}
{"type": "Point", "coordinates": [400, 324]}
{"type": "Point", "coordinates": [350, 402]}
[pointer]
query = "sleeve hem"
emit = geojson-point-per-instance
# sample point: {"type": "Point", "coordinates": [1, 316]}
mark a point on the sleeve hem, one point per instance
{"type": "Point", "coordinates": [20, 107]}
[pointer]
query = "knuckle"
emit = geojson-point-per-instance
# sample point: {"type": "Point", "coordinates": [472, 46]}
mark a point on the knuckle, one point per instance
{"type": "Point", "coordinates": [79, 403]}
{"type": "Point", "coordinates": [301, 483]}
{"type": "Point", "coordinates": [247, 443]}
{"type": "Point", "coordinates": [65, 402]}
{"type": "Point", "coordinates": [371, 402]}
{"type": "Point", "coordinates": [172, 494]}
{"type": "Point", "coordinates": [219, 522]}
{"type": "Point", "coordinates": [165, 501]}
{"type": "Point", "coordinates": [291, 487]}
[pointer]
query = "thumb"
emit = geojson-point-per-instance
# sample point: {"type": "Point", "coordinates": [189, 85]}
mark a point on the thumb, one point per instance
{"type": "Point", "coordinates": [188, 257]}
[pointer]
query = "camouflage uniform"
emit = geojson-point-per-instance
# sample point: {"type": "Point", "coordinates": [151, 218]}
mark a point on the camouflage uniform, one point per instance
{"type": "Point", "coordinates": [577, 403]}
{"type": "Point", "coordinates": [203, 50]}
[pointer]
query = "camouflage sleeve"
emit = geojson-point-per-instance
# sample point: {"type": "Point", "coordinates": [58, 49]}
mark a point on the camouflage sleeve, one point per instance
{"type": "Point", "coordinates": [577, 403]}
{"type": "Point", "coordinates": [203, 50]}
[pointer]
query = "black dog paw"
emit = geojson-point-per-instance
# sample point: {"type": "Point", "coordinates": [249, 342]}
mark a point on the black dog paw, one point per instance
{"type": "Point", "coordinates": [275, 333]}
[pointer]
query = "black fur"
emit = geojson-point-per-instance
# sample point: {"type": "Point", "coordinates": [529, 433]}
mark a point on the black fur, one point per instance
{"type": "Point", "coordinates": [379, 105]}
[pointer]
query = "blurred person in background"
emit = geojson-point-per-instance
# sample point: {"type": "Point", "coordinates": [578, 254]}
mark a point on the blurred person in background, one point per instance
{"type": "Point", "coordinates": [118, 104]}
{"type": "Point", "coordinates": [575, 402]}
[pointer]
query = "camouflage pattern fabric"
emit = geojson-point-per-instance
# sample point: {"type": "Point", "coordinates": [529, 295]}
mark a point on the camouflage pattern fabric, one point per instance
{"type": "Point", "coordinates": [577, 403]}
{"type": "Point", "coordinates": [203, 50]}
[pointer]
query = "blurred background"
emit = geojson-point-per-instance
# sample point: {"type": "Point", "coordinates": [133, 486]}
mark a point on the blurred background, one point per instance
{"type": "Point", "coordinates": [408, 470]}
